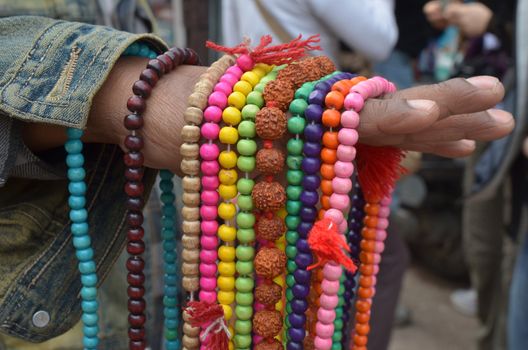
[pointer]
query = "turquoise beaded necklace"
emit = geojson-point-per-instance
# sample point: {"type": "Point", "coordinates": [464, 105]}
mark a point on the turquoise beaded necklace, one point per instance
{"type": "Point", "coordinates": [83, 246]}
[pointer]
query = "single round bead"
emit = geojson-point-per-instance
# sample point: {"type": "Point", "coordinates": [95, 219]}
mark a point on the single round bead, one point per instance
{"type": "Point", "coordinates": [247, 129]}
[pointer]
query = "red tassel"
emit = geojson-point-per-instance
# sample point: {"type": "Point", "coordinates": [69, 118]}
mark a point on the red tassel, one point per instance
{"type": "Point", "coordinates": [328, 245]}
{"type": "Point", "coordinates": [277, 55]}
{"type": "Point", "coordinates": [378, 169]}
{"type": "Point", "coordinates": [211, 318]}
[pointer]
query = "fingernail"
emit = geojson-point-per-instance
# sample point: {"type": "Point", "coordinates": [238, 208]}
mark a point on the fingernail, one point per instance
{"type": "Point", "coordinates": [425, 105]}
{"type": "Point", "coordinates": [483, 82]}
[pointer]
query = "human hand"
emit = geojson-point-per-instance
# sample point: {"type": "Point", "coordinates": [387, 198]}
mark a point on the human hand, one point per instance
{"type": "Point", "coordinates": [471, 18]}
{"type": "Point", "coordinates": [445, 119]}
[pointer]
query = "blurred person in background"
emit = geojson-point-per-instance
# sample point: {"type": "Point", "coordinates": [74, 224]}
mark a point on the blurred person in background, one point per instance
{"type": "Point", "coordinates": [486, 36]}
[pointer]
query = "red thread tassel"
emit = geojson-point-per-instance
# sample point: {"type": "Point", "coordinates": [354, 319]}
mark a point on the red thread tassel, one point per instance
{"type": "Point", "coordinates": [328, 245]}
{"type": "Point", "coordinates": [378, 169]}
{"type": "Point", "coordinates": [277, 54]}
{"type": "Point", "coordinates": [211, 318]}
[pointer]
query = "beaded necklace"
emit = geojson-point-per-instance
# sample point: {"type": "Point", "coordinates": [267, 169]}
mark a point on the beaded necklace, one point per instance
{"type": "Point", "coordinates": [247, 148]}
{"type": "Point", "coordinates": [299, 212]}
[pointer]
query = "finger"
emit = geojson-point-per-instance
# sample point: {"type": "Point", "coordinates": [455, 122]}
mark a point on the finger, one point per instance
{"type": "Point", "coordinates": [396, 116]}
{"type": "Point", "coordinates": [482, 126]}
{"type": "Point", "coordinates": [458, 96]}
{"type": "Point", "coordinates": [450, 149]}
{"type": "Point", "coordinates": [453, 13]}
{"type": "Point", "coordinates": [432, 8]}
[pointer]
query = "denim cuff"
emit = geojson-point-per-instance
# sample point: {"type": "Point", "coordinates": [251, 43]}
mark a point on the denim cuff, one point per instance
{"type": "Point", "coordinates": [53, 69]}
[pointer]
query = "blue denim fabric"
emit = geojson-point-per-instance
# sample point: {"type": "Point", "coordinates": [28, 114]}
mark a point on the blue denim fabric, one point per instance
{"type": "Point", "coordinates": [518, 308]}
{"type": "Point", "coordinates": [50, 72]}
{"type": "Point", "coordinates": [37, 259]}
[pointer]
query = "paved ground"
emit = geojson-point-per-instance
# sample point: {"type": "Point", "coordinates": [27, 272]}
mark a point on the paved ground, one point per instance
{"type": "Point", "coordinates": [436, 325]}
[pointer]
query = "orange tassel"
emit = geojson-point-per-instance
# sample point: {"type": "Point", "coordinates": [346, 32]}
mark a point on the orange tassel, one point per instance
{"type": "Point", "coordinates": [277, 55]}
{"type": "Point", "coordinates": [378, 169]}
{"type": "Point", "coordinates": [328, 245]}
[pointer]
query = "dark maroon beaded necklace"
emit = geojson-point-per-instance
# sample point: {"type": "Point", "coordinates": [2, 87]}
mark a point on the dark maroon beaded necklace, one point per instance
{"type": "Point", "coordinates": [134, 160]}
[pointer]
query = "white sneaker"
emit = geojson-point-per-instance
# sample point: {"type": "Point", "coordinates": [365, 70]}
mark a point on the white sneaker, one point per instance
{"type": "Point", "coordinates": [465, 301]}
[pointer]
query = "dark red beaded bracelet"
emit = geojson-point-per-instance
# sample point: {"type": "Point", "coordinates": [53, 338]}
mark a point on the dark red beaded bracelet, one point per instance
{"type": "Point", "coordinates": [134, 160]}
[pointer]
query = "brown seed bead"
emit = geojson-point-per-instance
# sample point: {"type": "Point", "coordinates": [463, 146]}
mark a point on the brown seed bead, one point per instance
{"type": "Point", "coordinates": [267, 323]}
{"type": "Point", "coordinates": [310, 69]}
{"type": "Point", "coordinates": [190, 342]}
{"type": "Point", "coordinates": [142, 88]}
{"type": "Point", "coordinates": [270, 262]}
{"type": "Point", "coordinates": [191, 199]}
{"type": "Point", "coordinates": [326, 65]}
{"type": "Point", "coordinates": [270, 229]}
{"type": "Point", "coordinates": [190, 133]}
{"type": "Point", "coordinates": [133, 122]}
{"type": "Point", "coordinates": [268, 294]}
{"type": "Point", "coordinates": [189, 269]}
{"type": "Point", "coordinates": [190, 330]}
{"type": "Point", "coordinates": [136, 104]}
{"type": "Point", "coordinates": [269, 196]}
{"type": "Point", "coordinates": [190, 150]}
{"type": "Point", "coordinates": [270, 123]}
{"type": "Point", "coordinates": [273, 345]}
{"type": "Point", "coordinates": [190, 242]}
{"type": "Point", "coordinates": [198, 100]}
{"type": "Point", "coordinates": [191, 256]}
{"type": "Point", "coordinates": [191, 184]}
{"type": "Point", "coordinates": [193, 115]}
{"type": "Point", "coordinates": [191, 214]}
{"type": "Point", "coordinates": [191, 227]}
{"type": "Point", "coordinates": [280, 92]}
{"type": "Point", "coordinates": [270, 161]}
{"type": "Point", "coordinates": [190, 166]}
{"type": "Point", "coordinates": [150, 76]}
{"type": "Point", "coordinates": [293, 72]}
{"type": "Point", "coordinates": [191, 284]}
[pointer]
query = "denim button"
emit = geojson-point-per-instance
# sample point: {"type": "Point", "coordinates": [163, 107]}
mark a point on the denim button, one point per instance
{"type": "Point", "coordinates": [41, 319]}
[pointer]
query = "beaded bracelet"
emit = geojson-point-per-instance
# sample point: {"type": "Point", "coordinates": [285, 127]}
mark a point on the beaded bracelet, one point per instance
{"type": "Point", "coordinates": [192, 228]}
{"type": "Point", "coordinates": [133, 159]}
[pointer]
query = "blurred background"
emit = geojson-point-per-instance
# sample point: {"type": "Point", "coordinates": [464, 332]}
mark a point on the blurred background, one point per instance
{"type": "Point", "coordinates": [454, 230]}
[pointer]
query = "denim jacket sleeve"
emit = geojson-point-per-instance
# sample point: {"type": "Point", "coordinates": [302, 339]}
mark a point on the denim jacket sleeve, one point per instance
{"type": "Point", "coordinates": [51, 70]}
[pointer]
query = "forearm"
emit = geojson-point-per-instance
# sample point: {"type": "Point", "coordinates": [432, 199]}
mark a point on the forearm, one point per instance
{"type": "Point", "coordinates": [105, 122]}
